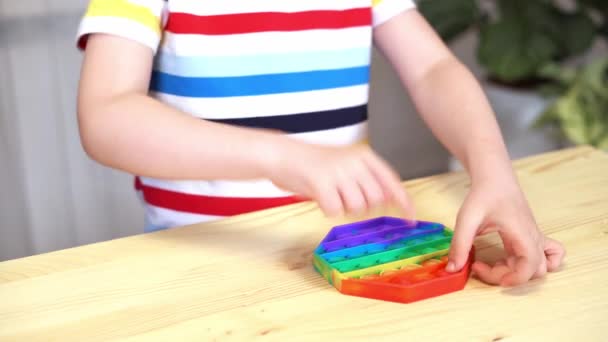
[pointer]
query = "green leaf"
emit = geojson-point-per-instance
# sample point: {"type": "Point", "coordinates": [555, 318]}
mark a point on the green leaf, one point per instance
{"type": "Point", "coordinates": [576, 35]}
{"type": "Point", "coordinates": [549, 117]}
{"type": "Point", "coordinates": [599, 9]}
{"type": "Point", "coordinates": [582, 112]}
{"type": "Point", "coordinates": [512, 52]}
{"type": "Point", "coordinates": [450, 18]}
{"type": "Point", "coordinates": [572, 119]}
{"type": "Point", "coordinates": [572, 32]}
{"type": "Point", "coordinates": [599, 5]}
{"type": "Point", "coordinates": [563, 76]}
{"type": "Point", "coordinates": [511, 8]}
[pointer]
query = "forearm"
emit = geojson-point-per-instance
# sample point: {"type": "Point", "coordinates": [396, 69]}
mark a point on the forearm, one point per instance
{"type": "Point", "coordinates": [447, 96]}
{"type": "Point", "coordinates": [143, 136]}
{"type": "Point", "coordinates": [452, 103]}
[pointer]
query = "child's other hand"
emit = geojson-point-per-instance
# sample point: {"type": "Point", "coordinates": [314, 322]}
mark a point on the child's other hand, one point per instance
{"type": "Point", "coordinates": [501, 207]}
{"type": "Point", "coordinates": [342, 180]}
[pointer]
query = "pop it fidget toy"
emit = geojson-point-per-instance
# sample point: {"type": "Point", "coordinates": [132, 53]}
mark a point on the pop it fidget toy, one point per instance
{"type": "Point", "coordinates": [390, 259]}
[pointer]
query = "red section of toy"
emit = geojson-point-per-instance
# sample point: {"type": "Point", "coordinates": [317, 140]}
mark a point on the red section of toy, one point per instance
{"type": "Point", "coordinates": [410, 285]}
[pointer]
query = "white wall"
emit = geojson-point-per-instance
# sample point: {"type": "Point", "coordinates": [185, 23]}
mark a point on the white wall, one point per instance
{"type": "Point", "coordinates": [52, 196]}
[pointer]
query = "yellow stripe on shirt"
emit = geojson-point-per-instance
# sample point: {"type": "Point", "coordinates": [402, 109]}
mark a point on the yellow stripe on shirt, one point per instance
{"type": "Point", "coordinates": [124, 9]}
{"type": "Point", "coordinates": [376, 2]}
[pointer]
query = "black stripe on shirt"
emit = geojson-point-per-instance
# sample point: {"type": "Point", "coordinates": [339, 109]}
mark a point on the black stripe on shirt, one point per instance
{"type": "Point", "coordinates": [303, 122]}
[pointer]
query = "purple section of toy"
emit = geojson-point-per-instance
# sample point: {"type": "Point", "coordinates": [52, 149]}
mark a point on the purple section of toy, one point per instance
{"type": "Point", "coordinates": [384, 230]}
{"type": "Point", "coordinates": [367, 226]}
{"type": "Point", "coordinates": [372, 248]}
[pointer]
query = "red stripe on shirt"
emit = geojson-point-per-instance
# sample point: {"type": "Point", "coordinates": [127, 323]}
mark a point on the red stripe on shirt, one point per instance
{"type": "Point", "coordinates": [185, 23]}
{"type": "Point", "coordinates": [208, 205]}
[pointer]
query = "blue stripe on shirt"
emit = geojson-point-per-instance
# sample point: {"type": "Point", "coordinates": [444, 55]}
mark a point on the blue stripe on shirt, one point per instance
{"type": "Point", "coordinates": [259, 84]}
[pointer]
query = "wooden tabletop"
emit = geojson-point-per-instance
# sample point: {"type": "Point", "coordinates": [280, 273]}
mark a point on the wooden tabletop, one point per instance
{"type": "Point", "coordinates": [250, 277]}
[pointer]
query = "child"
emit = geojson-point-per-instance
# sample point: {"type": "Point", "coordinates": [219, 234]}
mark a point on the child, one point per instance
{"type": "Point", "coordinates": [225, 107]}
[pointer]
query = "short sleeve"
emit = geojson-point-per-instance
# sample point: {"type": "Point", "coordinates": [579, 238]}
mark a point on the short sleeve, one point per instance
{"type": "Point", "coordinates": [383, 10]}
{"type": "Point", "coordinates": [138, 20]}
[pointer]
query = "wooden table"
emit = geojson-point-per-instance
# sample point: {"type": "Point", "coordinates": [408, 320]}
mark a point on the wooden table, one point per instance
{"type": "Point", "coordinates": [250, 277]}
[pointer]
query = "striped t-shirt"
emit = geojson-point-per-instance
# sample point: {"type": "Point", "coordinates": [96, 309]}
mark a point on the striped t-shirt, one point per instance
{"type": "Point", "coordinates": [300, 66]}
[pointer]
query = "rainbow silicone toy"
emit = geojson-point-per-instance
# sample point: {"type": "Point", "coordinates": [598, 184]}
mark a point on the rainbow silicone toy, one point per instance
{"type": "Point", "coordinates": [389, 259]}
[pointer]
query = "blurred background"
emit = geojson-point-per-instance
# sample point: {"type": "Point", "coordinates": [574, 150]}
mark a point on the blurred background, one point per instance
{"type": "Point", "coordinates": [543, 64]}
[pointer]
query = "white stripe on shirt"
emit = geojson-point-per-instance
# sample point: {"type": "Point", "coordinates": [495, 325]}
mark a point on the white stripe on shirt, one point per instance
{"type": "Point", "coordinates": [266, 42]}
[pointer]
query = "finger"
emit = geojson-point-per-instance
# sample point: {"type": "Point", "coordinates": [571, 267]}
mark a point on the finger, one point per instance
{"type": "Point", "coordinates": [541, 270]}
{"type": "Point", "coordinates": [554, 253]}
{"type": "Point", "coordinates": [352, 197]}
{"type": "Point", "coordinates": [391, 184]}
{"type": "Point", "coordinates": [525, 254]}
{"type": "Point", "coordinates": [521, 271]}
{"type": "Point", "coordinates": [467, 223]}
{"type": "Point", "coordinates": [374, 195]}
{"type": "Point", "coordinates": [329, 200]}
{"type": "Point", "coordinates": [500, 263]}
{"type": "Point", "coordinates": [490, 274]}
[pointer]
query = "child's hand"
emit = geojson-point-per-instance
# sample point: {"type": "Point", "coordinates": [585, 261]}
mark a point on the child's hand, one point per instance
{"type": "Point", "coordinates": [341, 180]}
{"type": "Point", "coordinates": [501, 207]}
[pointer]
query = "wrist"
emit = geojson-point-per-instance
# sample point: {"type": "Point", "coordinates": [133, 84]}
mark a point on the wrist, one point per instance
{"type": "Point", "coordinates": [489, 164]}
{"type": "Point", "coordinates": [273, 148]}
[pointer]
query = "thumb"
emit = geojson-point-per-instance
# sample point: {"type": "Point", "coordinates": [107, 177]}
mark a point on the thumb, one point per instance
{"type": "Point", "coordinates": [466, 228]}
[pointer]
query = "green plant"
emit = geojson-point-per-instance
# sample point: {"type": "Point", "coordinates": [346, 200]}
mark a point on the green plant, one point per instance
{"type": "Point", "coordinates": [519, 38]}
{"type": "Point", "coordinates": [581, 113]}
{"type": "Point", "coordinates": [525, 43]}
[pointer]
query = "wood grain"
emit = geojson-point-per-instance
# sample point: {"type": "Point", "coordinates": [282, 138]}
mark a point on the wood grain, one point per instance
{"type": "Point", "coordinates": [250, 277]}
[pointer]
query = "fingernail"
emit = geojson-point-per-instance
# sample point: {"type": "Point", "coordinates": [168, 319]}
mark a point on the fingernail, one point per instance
{"type": "Point", "coordinates": [450, 267]}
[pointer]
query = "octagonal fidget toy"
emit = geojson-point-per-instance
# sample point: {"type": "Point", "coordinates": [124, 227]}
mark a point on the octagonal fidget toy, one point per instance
{"type": "Point", "coordinates": [390, 259]}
